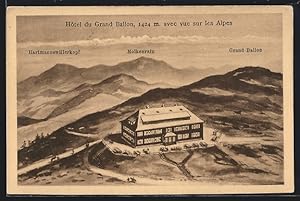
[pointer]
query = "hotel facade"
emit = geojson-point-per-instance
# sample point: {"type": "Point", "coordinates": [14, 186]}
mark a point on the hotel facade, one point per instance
{"type": "Point", "coordinates": [163, 125]}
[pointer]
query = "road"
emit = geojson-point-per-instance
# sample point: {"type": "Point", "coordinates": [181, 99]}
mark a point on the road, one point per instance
{"type": "Point", "coordinates": [81, 134]}
{"type": "Point", "coordinates": [47, 161]}
{"type": "Point", "coordinates": [123, 177]}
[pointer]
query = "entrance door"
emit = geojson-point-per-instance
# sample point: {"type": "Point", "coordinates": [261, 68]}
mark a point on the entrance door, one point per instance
{"type": "Point", "coordinates": [170, 138]}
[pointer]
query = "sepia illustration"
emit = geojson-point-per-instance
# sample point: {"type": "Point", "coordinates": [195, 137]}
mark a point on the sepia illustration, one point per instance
{"type": "Point", "coordinates": [156, 99]}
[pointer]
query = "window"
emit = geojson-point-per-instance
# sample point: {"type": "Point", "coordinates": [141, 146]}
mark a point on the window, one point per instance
{"type": "Point", "coordinates": [195, 126]}
{"type": "Point", "coordinates": [179, 136]}
{"type": "Point", "coordinates": [181, 128]}
{"type": "Point", "coordinates": [185, 136]}
{"type": "Point", "coordinates": [152, 140]}
{"type": "Point", "coordinates": [168, 130]}
{"type": "Point", "coordinates": [128, 137]}
{"type": "Point", "coordinates": [128, 130]}
{"type": "Point", "coordinates": [140, 133]}
{"type": "Point", "coordinates": [195, 134]}
{"type": "Point", "coordinates": [157, 139]}
{"type": "Point", "coordinates": [139, 142]}
{"type": "Point", "coordinates": [153, 132]}
{"type": "Point", "coordinates": [132, 120]}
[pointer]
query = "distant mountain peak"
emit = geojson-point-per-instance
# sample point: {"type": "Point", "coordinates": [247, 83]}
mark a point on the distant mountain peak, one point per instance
{"type": "Point", "coordinates": [61, 69]}
{"type": "Point", "coordinates": [253, 71]}
{"type": "Point", "coordinates": [120, 77]}
{"type": "Point", "coordinates": [143, 58]}
{"type": "Point", "coordinates": [62, 65]}
{"type": "Point", "coordinates": [247, 79]}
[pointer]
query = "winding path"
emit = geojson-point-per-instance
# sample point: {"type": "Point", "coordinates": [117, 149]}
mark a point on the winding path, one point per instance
{"type": "Point", "coordinates": [124, 177]}
{"type": "Point", "coordinates": [181, 165]}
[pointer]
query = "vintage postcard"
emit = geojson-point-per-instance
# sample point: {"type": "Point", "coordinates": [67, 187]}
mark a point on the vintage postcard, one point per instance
{"type": "Point", "coordinates": [150, 100]}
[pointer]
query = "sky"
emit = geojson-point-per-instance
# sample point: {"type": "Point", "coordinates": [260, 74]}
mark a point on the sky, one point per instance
{"type": "Point", "coordinates": [181, 47]}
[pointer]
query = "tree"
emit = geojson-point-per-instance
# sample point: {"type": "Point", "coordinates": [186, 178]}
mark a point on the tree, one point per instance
{"type": "Point", "coordinates": [37, 138]}
{"type": "Point", "coordinates": [42, 135]}
{"type": "Point", "coordinates": [24, 144]}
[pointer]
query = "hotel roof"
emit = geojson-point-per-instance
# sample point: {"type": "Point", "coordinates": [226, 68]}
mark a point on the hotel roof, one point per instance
{"type": "Point", "coordinates": [152, 118]}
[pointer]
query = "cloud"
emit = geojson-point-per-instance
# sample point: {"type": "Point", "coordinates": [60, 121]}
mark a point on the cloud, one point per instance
{"type": "Point", "coordinates": [147, 39]}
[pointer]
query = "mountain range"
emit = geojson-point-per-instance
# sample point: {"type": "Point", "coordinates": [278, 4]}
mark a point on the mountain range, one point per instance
{"type": "Point", "coordinates": [104, 95]}
{"type": "Point", "coordinates": [247, 100]}
{"type": "Point", "coordinates": [64, 77]}
{"type": "Point", "coordinates": [50, 103]}
{"type": "Point", "coordinates": [63, 87]}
